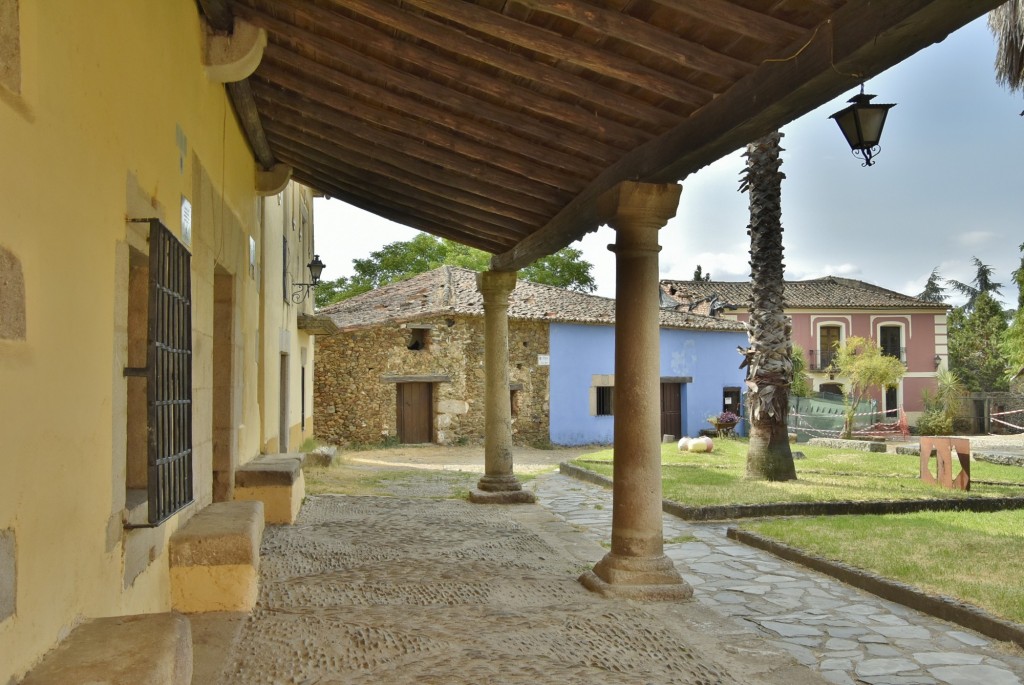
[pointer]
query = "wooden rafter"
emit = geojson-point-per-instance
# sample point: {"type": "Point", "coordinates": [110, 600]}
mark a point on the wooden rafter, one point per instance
{"type": "Point", "coordinates": [497, 123]}
{"type": "Point", "coordinates": [853, 47]}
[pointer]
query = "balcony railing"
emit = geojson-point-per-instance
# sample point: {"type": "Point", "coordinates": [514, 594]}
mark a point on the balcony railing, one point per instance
{"type": "Point", "coordinates": [898, 352]}
{"type": "Point", "coordinates": [820, 360]}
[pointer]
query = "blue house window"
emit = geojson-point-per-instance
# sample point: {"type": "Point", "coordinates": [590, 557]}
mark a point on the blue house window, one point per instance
{"type": "Point", "coordinates": [605, 401]}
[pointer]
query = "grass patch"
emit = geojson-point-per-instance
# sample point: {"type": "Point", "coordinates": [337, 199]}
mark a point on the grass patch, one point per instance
{"type": "Point", "coordinates": [825, 475]}
{"type": "Point", "coordinates": [978, 558]}
{"type": "Point", "coordinates": [308, 445]}
{"type": "Point", "coordinates": [680, 539]}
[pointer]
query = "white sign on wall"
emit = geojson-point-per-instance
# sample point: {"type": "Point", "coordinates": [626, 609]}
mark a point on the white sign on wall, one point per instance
{"type": "Point", "coordinates": [543, 360]}
{"type": "Point", "coordinates": [186, 221]}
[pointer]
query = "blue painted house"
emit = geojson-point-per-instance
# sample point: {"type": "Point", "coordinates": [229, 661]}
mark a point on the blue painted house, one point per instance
{"type": "Point", "coordinates": [407, 362]}
{"type": "Point", "coordinates": [699, 376]}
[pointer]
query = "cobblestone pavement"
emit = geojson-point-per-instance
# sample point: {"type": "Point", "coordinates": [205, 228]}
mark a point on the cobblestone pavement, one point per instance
{"type": "Point", "coordinates": [849, 636]}
{"type": "Point", "coordinates": [412, 590]}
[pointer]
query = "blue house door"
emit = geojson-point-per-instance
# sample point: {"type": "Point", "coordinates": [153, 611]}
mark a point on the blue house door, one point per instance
{"type": "Point", "coordinates": [671, 409]}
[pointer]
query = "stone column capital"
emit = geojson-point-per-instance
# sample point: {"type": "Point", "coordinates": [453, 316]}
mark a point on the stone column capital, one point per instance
{"type": "Point", "coordinates": [496, 286]}
{"type": "Point", "coordinates": [630, 204]}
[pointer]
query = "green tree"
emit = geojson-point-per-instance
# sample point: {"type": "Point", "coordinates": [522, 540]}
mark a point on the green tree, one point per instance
{"type": "Point", "coordinates": [861, 362]}
{"type": "Point", "coordinates": [404, 259]}
{"type": "Point", "coordinates": [1013, 339]}
{"type": "Point", "coordinates": [699, 275]}
{"type": "Point", "coordinates": [1018, 277]}
{"type": "Point", "coordinates": [982, 283]}
{"type": "Point", "coordinates": [1013, 343]}
{"type": "Point", "coordinates": [801, 386]}
{"type": "Point", "coordinates": [768, 359]}
{"type": "Point", "coordinates": [976, 345]}
{"type": "Point", "coordinates": [944, 407]}
{"type": "Point", "coordinates": [933, 291]}
{"type": "Point", "coordinates": [564, 269]}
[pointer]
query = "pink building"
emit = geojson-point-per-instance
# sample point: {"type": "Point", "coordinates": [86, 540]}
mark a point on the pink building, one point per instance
{"type": "Point", "coordinates": [826, 311]}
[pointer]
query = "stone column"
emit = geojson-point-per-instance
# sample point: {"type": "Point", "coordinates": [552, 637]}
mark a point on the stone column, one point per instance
{"type": "Point", "coordinates": [498, 485]}
{"type": "Point", "coordinates": [637, 566]}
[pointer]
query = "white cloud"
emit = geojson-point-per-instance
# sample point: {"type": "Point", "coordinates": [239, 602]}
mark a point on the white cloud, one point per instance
{"type": "Point", "coordinates": [975, 238]}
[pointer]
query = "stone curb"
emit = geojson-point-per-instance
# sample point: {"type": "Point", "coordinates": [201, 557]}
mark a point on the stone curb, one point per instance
{"type": "Point", "coordinates": [939, 606]}
{"type": "Point", "coordinates": [729, 512]}
{"type": "Point", "coordinates": [584, 475]}
{"type": "Point", "coordinates": [856, 445]}
{"type": "Point", "coordinates": [1002, 458]}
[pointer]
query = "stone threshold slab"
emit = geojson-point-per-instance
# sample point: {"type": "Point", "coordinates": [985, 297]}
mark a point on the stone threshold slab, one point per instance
{"type": "Point", "coordinates": [939, 606]}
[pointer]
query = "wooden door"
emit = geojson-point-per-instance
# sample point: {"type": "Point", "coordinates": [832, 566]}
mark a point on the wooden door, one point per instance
{"type": "Point", "coordinates": [671, 409]}
{"type": "Point", "coordinates": [415, 413]}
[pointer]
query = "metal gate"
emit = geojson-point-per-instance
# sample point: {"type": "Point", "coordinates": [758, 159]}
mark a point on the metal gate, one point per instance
{"type": "Point", "coordinates": [169, 374]}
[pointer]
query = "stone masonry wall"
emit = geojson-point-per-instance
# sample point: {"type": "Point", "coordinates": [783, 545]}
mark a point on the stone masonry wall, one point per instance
{"type": "Point", "coordinates": [352, 405]}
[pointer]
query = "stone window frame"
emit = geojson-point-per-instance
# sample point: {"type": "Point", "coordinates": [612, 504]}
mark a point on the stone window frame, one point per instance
{"type": "Point", "coordinates": [603, 384]}
{"type": "Point", "coordinates": [514, 392]}
{"type": "Point", "coordinates": [420, 337]}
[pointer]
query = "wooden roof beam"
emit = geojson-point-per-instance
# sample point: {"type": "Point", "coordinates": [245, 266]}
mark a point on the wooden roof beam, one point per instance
{"type": "Point", "coordinates": [400, 194]}
{"type": "Point", "coordinates": [535, 153]}
{"type": "Point", "coordinates": [368, 155]}
{"type": "Point", "coordinates": [860, 40]}
{"type": "Point", "coordinates": [539, 40]}
{"type": "Point", "coordinates": [605, 140]}
{"type": "Point", "coordinates": [297, 142]}
{"type": "Point", "coordinates": [401, 145]}
{"type": "Point", "coordinates": [415, 129]}
{"type": "Point", "coordinates": [386, 211]}
{"type": "Point", "coordinates": [641, 34]}
{"type": "Point", "coordinates": [574, 87]}
{"type": "Point", "coordinates": [739, 19]}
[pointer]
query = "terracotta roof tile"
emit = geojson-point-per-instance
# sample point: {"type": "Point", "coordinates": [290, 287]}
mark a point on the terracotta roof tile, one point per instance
{"type": "Point", "coordinates": [830, 292]}
{"type": "Point", "coordinates": [453, 290]}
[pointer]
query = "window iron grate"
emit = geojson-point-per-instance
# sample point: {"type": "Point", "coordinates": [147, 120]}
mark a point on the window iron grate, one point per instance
{"type": "Point", "coordinates": [169, 380]}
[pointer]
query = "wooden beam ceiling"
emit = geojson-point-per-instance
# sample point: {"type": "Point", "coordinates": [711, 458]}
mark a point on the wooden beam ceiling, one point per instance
{"type": "Point", "coordinates": [497, 123]}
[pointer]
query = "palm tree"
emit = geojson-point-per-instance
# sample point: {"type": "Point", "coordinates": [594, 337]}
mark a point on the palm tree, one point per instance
{"type": "Point", "coordinates": [983, 283]}
{"type": "Point", "coordinates": [769, 358]}
{"type": "Point", "coordinates": [1007, 24]}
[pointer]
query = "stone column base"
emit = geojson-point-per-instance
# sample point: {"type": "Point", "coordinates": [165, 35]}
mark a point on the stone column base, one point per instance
{"type": "Point", "coordinates": [501, 497]}
{"type": "Point", "coordinates": [645, 578]}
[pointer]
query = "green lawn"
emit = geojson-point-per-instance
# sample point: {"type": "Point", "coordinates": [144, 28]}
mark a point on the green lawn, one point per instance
{"type": "Point", "coordinates": [978, 558]}
{"type": "Point", "coordinates": [702, 479]}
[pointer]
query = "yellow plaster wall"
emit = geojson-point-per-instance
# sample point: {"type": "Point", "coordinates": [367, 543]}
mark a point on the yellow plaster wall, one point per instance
{"type": "Point", "coordinates": [280, 335]}
{"type": "Point", "coordinates": [92, 138]}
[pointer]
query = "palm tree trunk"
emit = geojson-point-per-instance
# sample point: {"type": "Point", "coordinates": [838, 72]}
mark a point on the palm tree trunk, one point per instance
{"type": "Point", "coordinates": [769, 358]}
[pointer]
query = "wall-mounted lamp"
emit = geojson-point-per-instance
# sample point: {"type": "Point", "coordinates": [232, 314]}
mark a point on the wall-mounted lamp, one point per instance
{"type": "Point", "coordinates": [861, 124]}
{"type": "Point", "coordinates": [938, 361]}
{"type": "Point", "coordinates": [302, 290]}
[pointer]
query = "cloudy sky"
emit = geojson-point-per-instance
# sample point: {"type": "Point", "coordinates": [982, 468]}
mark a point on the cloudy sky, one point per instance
{"type": "Point", "coordinates": [948, 185]}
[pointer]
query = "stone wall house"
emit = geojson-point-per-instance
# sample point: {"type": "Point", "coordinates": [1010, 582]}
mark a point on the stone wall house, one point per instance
{"type": "Point", "coordinates": [407, 364]}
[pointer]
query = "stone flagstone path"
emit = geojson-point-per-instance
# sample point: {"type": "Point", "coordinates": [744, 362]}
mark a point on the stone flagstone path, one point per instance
{"type": "Point", "coordinates": [848, 635]}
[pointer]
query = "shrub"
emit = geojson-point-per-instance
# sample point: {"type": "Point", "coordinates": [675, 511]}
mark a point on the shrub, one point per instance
{"type": "Point", "coordinates": [935, 422]}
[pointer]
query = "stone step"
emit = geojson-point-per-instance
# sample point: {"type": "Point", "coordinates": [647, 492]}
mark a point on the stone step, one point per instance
{"type": "Point", "coordinates": [215, 558]}
{"type": "Point", "coordinates": [277, 481]}
{"type": "Point", "coordinates": [155, 649]}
